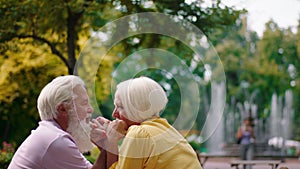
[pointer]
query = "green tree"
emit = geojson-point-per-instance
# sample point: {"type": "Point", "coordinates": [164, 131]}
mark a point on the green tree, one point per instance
{"type": "Point", "coordinates": [258, 66]}
{"type": "Point", "coordinates": [39, 40]}
{"type": "Point", "coordinates": [57, 24]}
{"type": "Point", "coordinates": [275, 53]}
{"type": "Point", "coordinates": [60, 29]}
{"type": "Point", "coordinates": [22, 77]}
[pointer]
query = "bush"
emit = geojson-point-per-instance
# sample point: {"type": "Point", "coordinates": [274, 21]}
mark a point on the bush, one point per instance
{"type": "Point", "coordinates": [6, 154]}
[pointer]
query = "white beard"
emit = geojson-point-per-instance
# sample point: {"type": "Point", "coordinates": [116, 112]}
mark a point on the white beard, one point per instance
{"type": "Point", "coordinates": [80, 131]}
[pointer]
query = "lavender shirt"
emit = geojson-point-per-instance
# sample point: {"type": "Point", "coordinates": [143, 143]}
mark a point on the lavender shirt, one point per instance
{"type": "Point", "coordinates": [49, 147]}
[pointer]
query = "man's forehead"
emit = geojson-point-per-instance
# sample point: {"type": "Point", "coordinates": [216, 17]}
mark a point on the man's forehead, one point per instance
{"type": "Point", "coordinates": [79, 90]}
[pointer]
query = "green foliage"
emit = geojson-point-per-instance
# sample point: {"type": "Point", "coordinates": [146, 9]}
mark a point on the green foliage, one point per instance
{"type": "Point", "coordinates": [6, 153]}
{"type": "Point", "coordinates": [195, 141]}
{"type": "Point", "coordinates": [40, 40]}
{"type": "Point", "coordinates": [256, 67]}
{"type": "Point", "coordinates": [22, 77]}
{"type": "Point", "coordinates": [276, 52]}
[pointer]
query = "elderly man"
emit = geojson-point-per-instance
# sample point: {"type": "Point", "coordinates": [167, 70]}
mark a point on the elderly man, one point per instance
{"type": "Point", "coordinates": [63, 132]}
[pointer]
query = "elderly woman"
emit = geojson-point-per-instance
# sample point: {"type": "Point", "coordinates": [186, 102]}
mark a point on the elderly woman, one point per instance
{"type": "Point", "coordinates": [150, 141]}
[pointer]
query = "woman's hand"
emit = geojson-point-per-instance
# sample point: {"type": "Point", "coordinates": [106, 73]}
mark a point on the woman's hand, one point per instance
{"type": "Point", "coordinates": [116, 130]}
{"type": "Point", "coordinates": [98, 131]}
{"type": "Point", "coordinates": [106, 134]}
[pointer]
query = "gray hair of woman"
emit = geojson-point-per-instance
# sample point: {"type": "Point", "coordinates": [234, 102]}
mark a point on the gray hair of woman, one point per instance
{"type": "Point", "coordinates": [142, 98]}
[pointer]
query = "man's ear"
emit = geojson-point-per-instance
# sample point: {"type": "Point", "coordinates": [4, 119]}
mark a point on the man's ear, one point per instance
{"type": "Point", "coordinates": [62, 117]}
{"type": "Point", "coordinates": [62, 110]}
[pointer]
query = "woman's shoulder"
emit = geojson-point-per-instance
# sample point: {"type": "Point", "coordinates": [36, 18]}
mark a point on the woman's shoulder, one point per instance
{"type": "Point", "coordinates": [138, 131]}
{"type": "Point", "coordinates": [149, 128]}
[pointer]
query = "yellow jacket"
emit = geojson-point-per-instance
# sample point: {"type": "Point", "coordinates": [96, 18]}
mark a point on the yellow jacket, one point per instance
{"type": "Point", "coordinates": [155, 144]}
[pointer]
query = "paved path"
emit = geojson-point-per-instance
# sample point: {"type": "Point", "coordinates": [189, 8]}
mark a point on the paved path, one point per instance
{"type": "Point", "coordinates": [224, 163]}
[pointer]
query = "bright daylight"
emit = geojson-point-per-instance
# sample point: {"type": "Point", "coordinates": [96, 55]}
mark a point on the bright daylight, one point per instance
{"type": "Point", "coordinates": [156, 84]}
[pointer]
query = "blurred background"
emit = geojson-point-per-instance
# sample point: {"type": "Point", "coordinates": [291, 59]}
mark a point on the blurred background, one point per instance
{"type": "Point", "coordinates": [40, 40]}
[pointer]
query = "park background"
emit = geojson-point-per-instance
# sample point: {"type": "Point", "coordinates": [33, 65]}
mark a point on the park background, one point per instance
{"type": "Point", "coordinates": [40, 40]}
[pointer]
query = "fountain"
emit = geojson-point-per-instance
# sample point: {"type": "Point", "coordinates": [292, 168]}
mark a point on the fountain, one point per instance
{"type": "Point", "coordinates": [281, 120]}
{"type": "Point", "coordinates": [277, 124]}
{"type": "Point", "coordinates": [212, 133]}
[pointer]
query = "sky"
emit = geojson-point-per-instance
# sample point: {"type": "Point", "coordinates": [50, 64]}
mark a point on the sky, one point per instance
{"type": "Point", "coordinates": [285, 13]}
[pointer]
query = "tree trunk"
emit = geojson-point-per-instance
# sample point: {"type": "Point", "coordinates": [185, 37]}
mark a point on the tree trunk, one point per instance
{"type": "Point", "coordinates": [72, 22]}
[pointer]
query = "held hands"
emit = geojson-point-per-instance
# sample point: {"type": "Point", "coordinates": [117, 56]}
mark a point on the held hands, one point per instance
{"type": "Point", "coordinates": [106, 134]}
{"type": "Point", "coordinates": [116, 130]}
{"type": "Point", "coordinates": [98, 129]}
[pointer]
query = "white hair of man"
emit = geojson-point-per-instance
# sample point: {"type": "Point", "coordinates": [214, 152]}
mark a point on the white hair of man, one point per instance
{"type": "Point", "coordinates": [142, 98]}
{"type": "Point", "coordinates": [58, 91]}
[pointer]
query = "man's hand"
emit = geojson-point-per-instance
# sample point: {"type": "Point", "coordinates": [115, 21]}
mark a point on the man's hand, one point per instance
{"type": "Point", "coordinates": [116, 130]}
{"type": "Point", "coordinates": [98, 131]}
{"type": "Point", "coordinates": [106, 134]}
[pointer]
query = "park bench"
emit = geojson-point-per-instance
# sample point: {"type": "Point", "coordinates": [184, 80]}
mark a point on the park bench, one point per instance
{"type": "Point", "coordinates": [261, 152]}
{"type": "Point", "coordinates": [273, 163]}
{"type": "Point", "coordinates": [204, 157]}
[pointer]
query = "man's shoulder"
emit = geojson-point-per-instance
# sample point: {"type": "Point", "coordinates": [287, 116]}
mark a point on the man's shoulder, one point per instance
{"type": "Point", "coordinates": [47, 133]}
{"type": "Point", "coordinates": [49, 129]}
{"type": "Point", "coordinates": [37, 144]}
